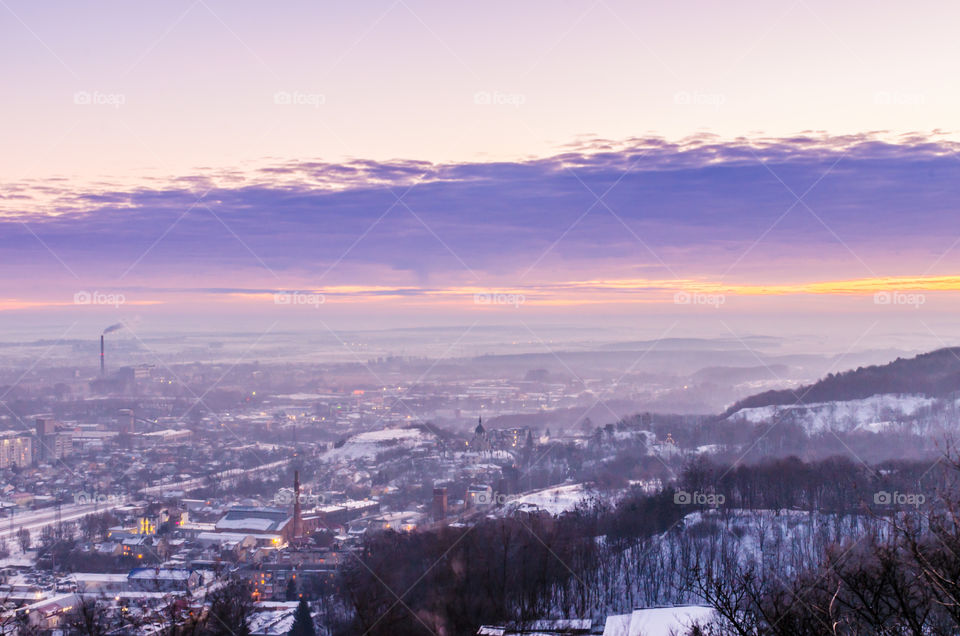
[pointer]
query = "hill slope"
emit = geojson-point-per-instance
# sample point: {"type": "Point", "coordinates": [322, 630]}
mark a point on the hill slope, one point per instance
{"type": "Point", "coordinates": [934, 374]}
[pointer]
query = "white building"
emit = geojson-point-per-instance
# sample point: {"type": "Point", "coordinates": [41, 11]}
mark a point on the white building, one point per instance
{"type": "Point", "coordinates": [16, 449]}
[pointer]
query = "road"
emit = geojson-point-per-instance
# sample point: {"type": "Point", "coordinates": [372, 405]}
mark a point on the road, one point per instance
{"type": "Point", "coordinates": [36, 520]}
{"type": "Point", "coordinates": [200, 482]}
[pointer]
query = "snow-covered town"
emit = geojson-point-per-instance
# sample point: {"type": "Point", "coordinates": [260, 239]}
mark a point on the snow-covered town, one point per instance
{"type": "Point", "coordinates": [129, 501]}
{"type": "Point", "coordinates": [426, 318]}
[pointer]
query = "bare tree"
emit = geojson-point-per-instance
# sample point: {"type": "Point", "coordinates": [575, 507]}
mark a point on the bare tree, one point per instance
{"type": "Point", "coordinates": [23, 539]}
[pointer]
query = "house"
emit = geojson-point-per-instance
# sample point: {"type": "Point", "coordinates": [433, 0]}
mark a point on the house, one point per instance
{"type": "Point", "coordinates": [231, 543]}
{"type": "Point", "coordinates": [109, 548]}
{"type": "Point", "coordinates": [141, 546]}
{"type": "Point", "coordinates": [272, 618]}
{"type": "Point", "coordinates": [176, 580]}
{"type": "Point", "coordinates": [49, 613]}
{"type": "Point", "coordinates": [92, 583]}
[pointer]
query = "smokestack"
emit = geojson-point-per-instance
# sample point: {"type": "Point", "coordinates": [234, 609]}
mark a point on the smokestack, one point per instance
{"type": "Point", "coordinates": [103, 370]}
{"type": "Point", "coordinates": [297, 512]}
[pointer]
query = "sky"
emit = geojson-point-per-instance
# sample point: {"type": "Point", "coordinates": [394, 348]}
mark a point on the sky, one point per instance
{"type": "Point", "coordinates": [766, 168]}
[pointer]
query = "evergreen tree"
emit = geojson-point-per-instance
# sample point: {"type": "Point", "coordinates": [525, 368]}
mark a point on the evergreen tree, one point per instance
{"type": "Point", "coordinates": [302, 621]}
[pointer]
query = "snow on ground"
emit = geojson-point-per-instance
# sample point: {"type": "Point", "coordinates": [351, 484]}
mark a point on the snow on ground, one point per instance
{"type": "Point", "coordinates": [369, 444]}
{"type": "Point", "coordinates": [874, 413]}
{"type": "Point", "coordinates": [556, 500]}
{"type": "Point", "coordinates": [768, 535]}
{"type": "Point", "coordinates": [708, 448]}
{"type": "Point", "coordinates": [18, 558]}
{"type": "Point", "coordinates": [386, 435]}
{"type": "Point", "coordinates": [299, 396]}
{"type": "Point", "coordinates": [658, 621]}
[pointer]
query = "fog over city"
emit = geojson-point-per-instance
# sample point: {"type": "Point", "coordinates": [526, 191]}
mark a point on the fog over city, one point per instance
{"type": "Point", "coordinates": [411, 317]}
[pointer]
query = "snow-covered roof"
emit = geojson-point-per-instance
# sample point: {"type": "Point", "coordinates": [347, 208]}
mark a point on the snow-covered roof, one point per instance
{"type": "Point", "coordinates": [271, 622]}
{"type": "Point", "coordinates": [246, 523]}
{"type": "Point", "coordinates": [261, 519]}
{"type": "Point", "coordinates": [657, 621]}
{"type": "Point", "coordinates": [159, 574]}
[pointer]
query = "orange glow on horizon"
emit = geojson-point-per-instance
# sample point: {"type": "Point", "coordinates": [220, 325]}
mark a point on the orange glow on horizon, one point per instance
{"type": "Point", "coordinates": [555, 294]}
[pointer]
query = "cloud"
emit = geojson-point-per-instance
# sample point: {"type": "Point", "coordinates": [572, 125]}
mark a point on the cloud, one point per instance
{"type": "Point", "coordinates": [643, 208]}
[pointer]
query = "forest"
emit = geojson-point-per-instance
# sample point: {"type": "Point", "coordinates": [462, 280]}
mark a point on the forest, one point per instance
{"type": "Point", "coordinates": [787, 534]}
{"type": "Point", "coordinates": [935, 374]}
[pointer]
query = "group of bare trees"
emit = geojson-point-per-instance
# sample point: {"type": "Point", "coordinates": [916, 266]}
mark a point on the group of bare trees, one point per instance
{"type": "Point", "coordinates": [902, 577]}
{"type": "Point", "coordinates": [795, 548]}
{"type": "Point", "coordinates": [224, 612]}
{"type": "Point", "coordinates": [516, 569]}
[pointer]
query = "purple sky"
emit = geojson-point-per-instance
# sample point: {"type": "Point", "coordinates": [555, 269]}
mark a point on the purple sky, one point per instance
{"type": "Point", "coordinates": [595, 158]}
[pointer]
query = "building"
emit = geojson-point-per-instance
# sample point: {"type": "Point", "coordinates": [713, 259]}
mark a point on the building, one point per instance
{"type": "Point", "coordinates": [509, 438]}
{"type": "Point", "coordinates": [439, 504]}
{"type": "Point", "coordinates": [272, 618]}
{"type": "Point", "coordinates": [126, 421]}
{"type": "Point", "coordinates": [165, 436]}
{"type": "Point", "coordinates": [46, 426]}
{"type": "Point", "coordinates": [479, 496]}
{"type": "Point", "coordinates": [57, 446]}
{"type": "Point", "coordinates": [52, 442]}
{"type": "Point", "coordinates": [46, 614]}
{"type": "Point", "coordinates": [16, 449]}
{"type": "Point", "coordinates": [341, 514]}
{"type": "Point", "coordinates": [401, 521]}
{"type": "Point", "coordinates": [164, 580]}
{"type": "Point", "coordinates": [479, 443]}
{"type": "Point", "coordinates": [276, 522]}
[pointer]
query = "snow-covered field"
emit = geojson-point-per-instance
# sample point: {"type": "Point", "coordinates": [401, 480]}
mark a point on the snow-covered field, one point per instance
{"type": "Point", "coordinates": [556, 500]}
{"type": "Point", "coordinates": [367, 445]}
{"type": "Point", "coordinates": [875, 413]}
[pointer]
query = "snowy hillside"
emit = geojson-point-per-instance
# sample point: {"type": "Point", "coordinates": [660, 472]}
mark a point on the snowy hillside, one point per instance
{"type": "Point", "coordinates": [371, 443]}
{"type": "Point", "coordinates": [553, 500]}
{"type": "Point", "coordinates": [875, 414]}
